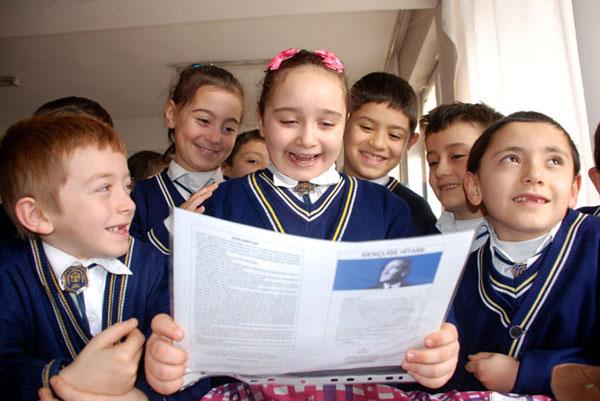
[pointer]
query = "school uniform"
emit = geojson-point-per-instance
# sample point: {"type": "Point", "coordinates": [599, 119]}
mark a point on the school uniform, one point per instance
{"type": "Point", "coordinates": [7, 228]}
{"type": "Point", "coordinates": [155, 196]}
{"type": "Point", "coordinates": [544, 314]}
{"type": "Point", "coordinates": [41, 326]}
{"type": "Point", "coordinates": [422, 215]}
{"type": "Point", "coordinates": [346, 209]}
{"type": "Point", "coordinates": [447, 223]}
{"type": "Point", "coordinates": [593, 210]}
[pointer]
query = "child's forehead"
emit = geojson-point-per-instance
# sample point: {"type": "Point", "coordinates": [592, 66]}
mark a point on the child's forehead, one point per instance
{"type": "Point", "coordinates": [531, 134]}
{"type": "Point", "coordinates": [457, 133]}
{"type": "Point", "coordinates": [382, 107]}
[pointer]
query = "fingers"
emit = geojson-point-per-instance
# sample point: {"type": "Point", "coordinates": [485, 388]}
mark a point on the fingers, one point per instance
{"type": "Point", "coordinates": [445, 335]}
{"type": "Point", "coordinates": [132, 345]}
{"type": "Point", "coordinates": [164, 365]}
{"type": "Point", "coordinates": [64, 391]}
{"type": "Point", "coordinates": [194, 203]}
{"type": "Point", "coordinates": [163, 325]}
{"type": "Point", "coordinates": [114, 333]}
{"type": "Point", "coordinates": [45, 394]}
{"type": "Point", "coordinates": [480, 355]}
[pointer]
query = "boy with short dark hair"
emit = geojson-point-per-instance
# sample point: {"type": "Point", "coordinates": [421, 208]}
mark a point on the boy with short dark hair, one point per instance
{"type": "Point", "coordinates": [594, 174]}
{"type": "Point", "coordinates": [381, 129]}
{"type": "Point", "coordinates": [450, 131]}
{"type": "Point", "coordinates": [71, 289]}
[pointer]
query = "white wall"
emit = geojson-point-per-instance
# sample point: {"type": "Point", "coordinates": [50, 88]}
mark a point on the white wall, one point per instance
{"type": "Point", "coordinates": [143, 134]}
{"type": "Point", "coordinates": [587, 15]}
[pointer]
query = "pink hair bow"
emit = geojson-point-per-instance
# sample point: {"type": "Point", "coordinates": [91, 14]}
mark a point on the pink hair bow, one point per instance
{"type": "Point", "coordinates": [330, 60]}
{"type": "Point", "coordinates": [281, 57]}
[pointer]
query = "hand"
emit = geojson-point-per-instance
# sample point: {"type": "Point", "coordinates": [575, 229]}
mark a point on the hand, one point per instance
{"type": "Point", "coordinates": [165, 363]}
{"type": "Point", "coordinates": [194, 203]}
{"type": "Point", "coordinates": [497, 372]}
{"type": "Point", "coordinates": [109, 363]}
{"type": "Point", "coordinates": [434, 366]}
{"type": "Point", "coordinates": [70, 393]}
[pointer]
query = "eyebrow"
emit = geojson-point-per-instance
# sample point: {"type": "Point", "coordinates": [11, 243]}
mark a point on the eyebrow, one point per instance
{"type": "Point", "coordinates": [97, 177]}
{"type": "Point", "coordinates": [547, 149]}
{"type": "Point", "coordinates": [454, 144]}
{"type": "Point", "coordinates": [297, 110]}
{"type": "Point", "coordinates": [213, 114]}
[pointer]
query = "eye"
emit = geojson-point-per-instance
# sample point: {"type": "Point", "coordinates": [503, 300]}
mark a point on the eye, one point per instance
{"type": "Point", "coordinates": [129, 186]}
{"type": "Point", "coordinates": [556, 161]}
{"type": "Point", "coordinates": [229, 130]}
{"type": "Point", "coordinates": [327, 124]}
{"type": "Point", "coordinates": [511, 158]}
{"type": "Point", "coordinates": [432, 163]}
{"type": "Point", "coordinates": [366, 128]}
{"type": "Point", "coordinates": [203, 121]}
{"type": "Point", "coordinates": [395, 136]}
{"type": "Point", "coordinates": [458, 156]}
{"type": "Point", "coordinates": [289, 122]}
{"type": "Point", "coordinates": [103, 188]}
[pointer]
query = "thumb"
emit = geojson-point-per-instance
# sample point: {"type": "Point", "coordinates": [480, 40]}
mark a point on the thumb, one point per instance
{"type": "Point", "coordinates": [163, 325]}
{"type": "Point", "coordinates": [480, 355]}
{"type": "Point", "coordinates": [114, 333]}
{"type": "Point", "coordinates": [64, 390]}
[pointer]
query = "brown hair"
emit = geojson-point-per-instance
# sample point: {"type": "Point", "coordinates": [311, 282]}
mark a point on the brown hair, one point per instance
{"type": "Point", "coordinates": [302, 58]}
{"type": "Point", "coordinates": [443, 116]}
{"type": "Point", "coordinates": [191, 79]}
{"type": "Point", "coordinates": [34, 156]}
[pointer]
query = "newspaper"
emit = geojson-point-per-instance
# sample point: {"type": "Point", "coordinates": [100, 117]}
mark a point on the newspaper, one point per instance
{"type": "Point", "coordinates": [266, 307]}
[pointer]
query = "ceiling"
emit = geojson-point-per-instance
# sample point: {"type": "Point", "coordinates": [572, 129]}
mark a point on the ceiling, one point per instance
{"type": "Point", "coordinates": [122, 52]}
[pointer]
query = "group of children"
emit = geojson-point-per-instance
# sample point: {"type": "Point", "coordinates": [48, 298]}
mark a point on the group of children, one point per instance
{"type": "Point", "coordinates": [86, 298]}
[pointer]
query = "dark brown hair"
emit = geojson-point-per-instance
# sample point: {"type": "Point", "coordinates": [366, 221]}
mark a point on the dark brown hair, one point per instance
{"type": "Point", "coordinates": [441, 117]}
{"type": "Point", "coordinates": [482, 143]}
{"type": "Point", "coordinates": [381, 87]}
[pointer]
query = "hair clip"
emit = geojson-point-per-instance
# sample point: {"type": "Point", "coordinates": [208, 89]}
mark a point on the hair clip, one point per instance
{"type": "Point", "coordinates": [330, 60]}
{"type": "Point", "coordinates": [196, 66]}
{"type": "Point", "coordinates": [281, 57]}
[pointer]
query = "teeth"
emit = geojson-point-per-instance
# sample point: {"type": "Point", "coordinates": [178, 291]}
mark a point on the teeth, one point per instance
{"type": "Point", "coordinates": [372, 156]}
{"type": "Point", "coordinates": [449, 187]}
{"type": "Point", "coordinates": [521, 199]}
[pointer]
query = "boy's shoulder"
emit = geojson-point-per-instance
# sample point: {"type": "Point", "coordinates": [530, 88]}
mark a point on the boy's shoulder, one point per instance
{"type": "Point", "coordinates": [593, 210]}
{"type": "Point", "coordinates": [151, 182]}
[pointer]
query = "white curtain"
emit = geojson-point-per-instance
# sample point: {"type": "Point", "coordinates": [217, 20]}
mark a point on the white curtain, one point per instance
{"type": "Point", "coordinates": [519, 55]}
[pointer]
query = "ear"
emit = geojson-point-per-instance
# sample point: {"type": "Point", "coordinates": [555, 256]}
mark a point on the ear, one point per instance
{"type": "Point", "coordinates": [32, 216]}
{"type": "Point", "coordinates": [594, 174]}
{"type": "Point", "coordinates": [226, 169]}
{"type": "Point", "coordinates": [170, 112]}
{"type": "Point", "coordinates": [472, 189]}
{"type": "Point", "coordinates": [260, 125]}
{"type": "Point", "coordinates": [412, 141]}
{"type": "Point", "coordinates": [575, 187]}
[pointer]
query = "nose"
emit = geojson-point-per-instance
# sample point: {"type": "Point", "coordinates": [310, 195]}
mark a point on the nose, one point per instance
{"type": "Point", "coordinates": [213, 134]}
{"type": "Point", "coordinates": [442, 169]}
{"type": "Point", "coordinates": [124, 202]}
{"type": "Point", "coordinates": [377, 140]}
{"type": "Point", "coordinates": [307, 137]}
{"type": "Point", "coordinates": [533, 174]}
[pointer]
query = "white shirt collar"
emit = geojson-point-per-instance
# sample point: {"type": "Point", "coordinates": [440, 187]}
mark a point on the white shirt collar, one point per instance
{"type": "Point", "coordinates": [447, 223]}
{"type": "Point", "coordinates": [60, 261]}
{"type": "Point", "coordinates": [194, 180]}
{"type": "Point", "coordinates": [520, 252]}
{"type": "Point", "coordinates": [381, 180]}
{"type": "Point", "coordinates": [329, 177]}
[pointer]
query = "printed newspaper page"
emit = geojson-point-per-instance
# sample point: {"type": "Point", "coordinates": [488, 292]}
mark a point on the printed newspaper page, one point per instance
{"type": "Point", "coordinates": [268, 307]}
